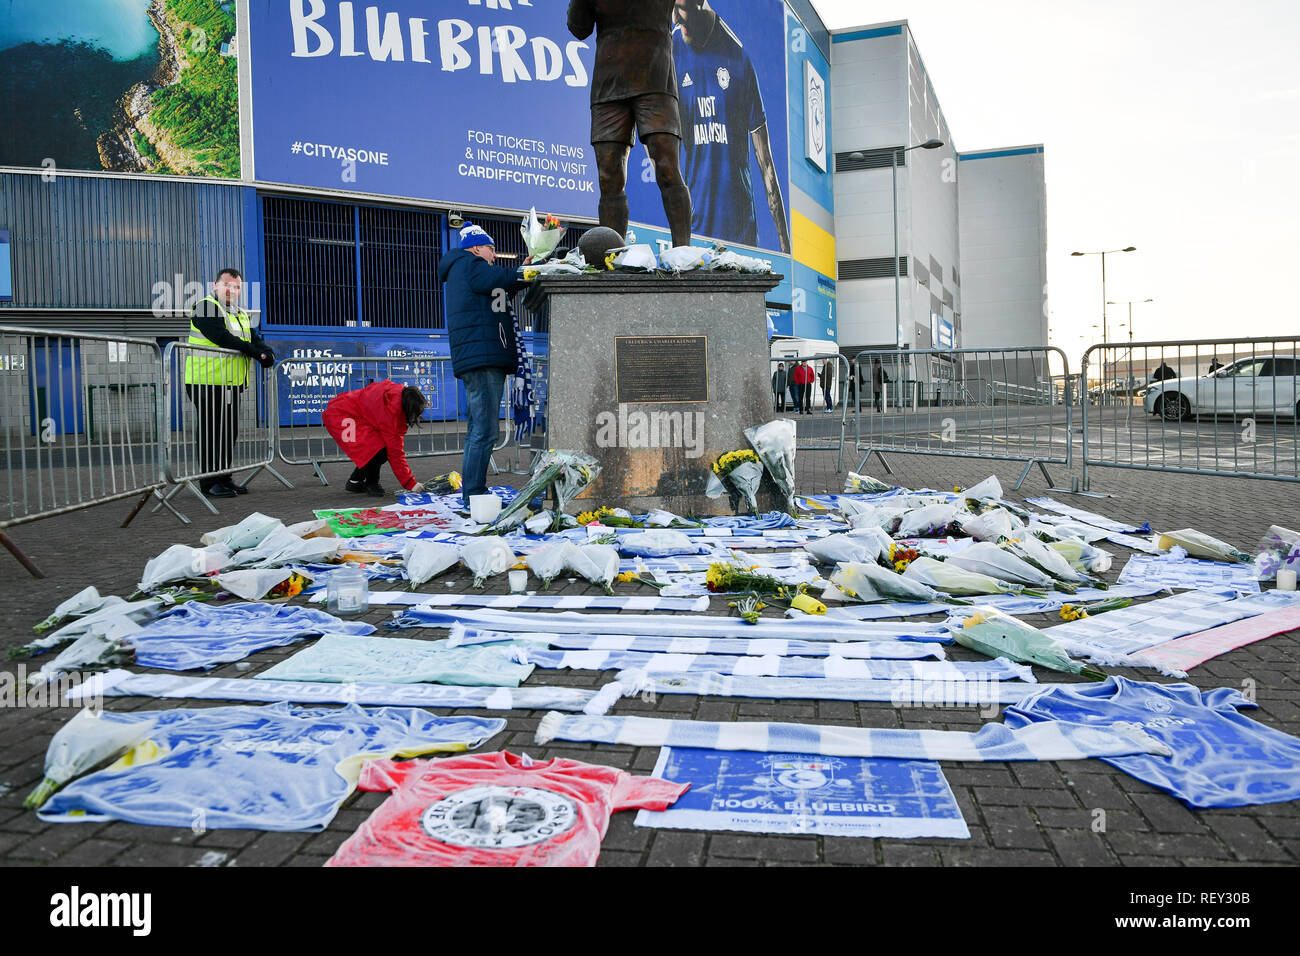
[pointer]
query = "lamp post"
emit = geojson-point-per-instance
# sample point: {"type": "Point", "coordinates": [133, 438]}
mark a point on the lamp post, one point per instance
{"type": "Point", "coordinates": [1103, 255]}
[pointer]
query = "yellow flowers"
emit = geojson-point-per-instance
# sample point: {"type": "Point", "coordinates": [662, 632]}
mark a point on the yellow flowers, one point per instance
{"type": "Point", "coordinates": [731, 459]}
{"type": "Point", "coordinates": [1073, 612]}
{"type": "Point", "coordinates": [530, 274]}
{"type": "Point", "coordinates": [808, 604]}
{"type": "Point", "coordinates": [587, 517]}
{"type": "Point", "coordinates": [627, 577]}
{"type": "Point", "coordinates": [979, 617]}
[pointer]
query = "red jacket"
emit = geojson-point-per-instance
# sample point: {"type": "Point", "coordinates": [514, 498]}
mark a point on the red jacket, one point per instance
{"type": "Point", "coordinates": [803, 374]}
{"type": "Point", "coordinates": [375, 416]}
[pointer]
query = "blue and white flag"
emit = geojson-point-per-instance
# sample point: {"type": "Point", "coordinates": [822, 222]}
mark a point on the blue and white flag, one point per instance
{"type": "Point", "coordinates": [121, 683]}
{"type": "Point", "coordinates": [1110, 637]}
{"type": "Point", "coordinates": [201, 636]}
{"type": "Point", "coordinates": [901, 692]}
{"type": "Point", "coordinates": [772, 666]}
{"type": "Point", "coordinates": [1052, 740]}
{"type": "Point", "coordinates": [1167, 571]}
{"type": "Point", "coordinates": [859, 650]}
{"type": "Point", "coordinates": [806, 793]}
{"type": "Point", "coordinates": [551, 602]}
{"type": "Point", "coordinates": [647, 566]}
{"type": "Point", "coordinates": [396, 660]}
{"type": "Point", "coordinates": [257, 768]}
{"type": "Point", "coordinates": [807, 628]}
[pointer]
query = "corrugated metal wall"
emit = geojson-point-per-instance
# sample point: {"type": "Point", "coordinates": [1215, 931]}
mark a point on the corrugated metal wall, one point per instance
{"type": "Point", "coordinates": [104, 243]}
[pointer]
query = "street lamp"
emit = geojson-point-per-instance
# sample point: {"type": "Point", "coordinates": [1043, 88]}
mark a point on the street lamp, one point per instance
{"type": "Point", "coordinates": [1103, 255]}
{"type": "Point", "coordinates": [893, 168]}
{"type": "Point", "coordinates": [1129, 303]}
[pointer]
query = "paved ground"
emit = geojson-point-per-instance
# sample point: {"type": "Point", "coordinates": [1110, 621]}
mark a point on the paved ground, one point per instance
{"type": "Point", "coordinates": [1018, 814]}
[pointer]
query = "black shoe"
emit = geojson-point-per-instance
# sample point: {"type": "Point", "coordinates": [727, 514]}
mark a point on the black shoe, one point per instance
{"type": "Point", "coordinates": [215, 490]}
{"type": "Point", "coordinates": [356, 487]}
{"type": "Point", "coordinates": [374, 491]}
{"type": "Point", "coordinates": [237, 489]}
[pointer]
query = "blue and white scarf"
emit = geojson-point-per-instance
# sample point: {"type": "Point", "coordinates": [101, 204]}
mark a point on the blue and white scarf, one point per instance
{"type": "Point", "coordinates": [856, 650]}
{"type": "Point", "coordinates": [523, 391]}
{"type": "Point", "coordinates": [1050, 740]}
{"type": "Point", "coordinates": [899, 692]}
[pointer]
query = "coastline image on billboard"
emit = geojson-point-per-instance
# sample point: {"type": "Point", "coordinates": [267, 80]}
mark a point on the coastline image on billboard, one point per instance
{"type": "Point", "coordinates": [146, 86]}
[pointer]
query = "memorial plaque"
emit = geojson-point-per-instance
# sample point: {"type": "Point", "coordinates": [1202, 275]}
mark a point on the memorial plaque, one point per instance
{"type": "Point", "coordinates": [661, 369]}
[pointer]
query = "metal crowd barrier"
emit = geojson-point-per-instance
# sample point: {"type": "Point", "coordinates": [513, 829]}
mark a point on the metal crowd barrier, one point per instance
{"type": "Point", "coordinates": [1011, 404]}
{"type": "Point", "coordinates": [215, 420]}
{"type": "Point", "coordinates": [80, 415]}
{"type": "Point", "coordinates": [304, 388]}
{"type": "Point", "coordinates": [1207, 407]}
{"type": "Point", "coordinates": [815, 433]}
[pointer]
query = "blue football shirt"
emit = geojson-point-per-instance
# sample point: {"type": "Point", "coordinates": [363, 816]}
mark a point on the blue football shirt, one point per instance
{"type": "Point", "coordinates": [1220, 758]}
{"type": "Point", "coordinates": [721, 106]}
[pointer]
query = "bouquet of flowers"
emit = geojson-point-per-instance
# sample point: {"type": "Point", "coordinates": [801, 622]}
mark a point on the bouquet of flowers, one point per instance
{"type": "Point", "coordinates": [987, 558]}
{"type": "Point", "coordinates": [80, 604]}
{"type": "Point", "coordinates": [724, 577]}
{"type": "Point", "coordinates": [870, 582]}
{"type": "Point", "coordinates": [609, 517]}
{"type": "Point", "coordinates": [540, 237]}
{"type": "Point", "coordinates": [842, 549]}
{"type": "Point", "coordinates": [598, 563]}
{"type": "Point", "coordinates": [548, 563]}
{"type": "Point", "coordinates": [774, 442]}
{"type": "Point", "coordinates": [931, 521]}
{"type": "Point", "coordinates": [569, 472]}
{"type": "Point", "coordinates": [1200, 545]}
{"type": "Point", "coordinates": [486, 557]}
{"type": "Point", "coordinates": [996, 634]}
{"type": "Point", "coordinates": [1050, 562]}
{"type": "Point", "coordinates": [738, 474]}
{"type": "Point", "coordinates": [1279, 548]}
{"type": "Point", "coordinates": [256, 585]}
{"type": "Point", "coordinates": [951, 579]}
{"type": "Point", "coordinates": [443, 484]}
{"type": "Point", "coordinates": [1082, 556]}
{"type": "Point", "coordinates": [428, 559]}
{"type": "Point", "coordinates": [84, 742]}
{"type": "Point", "coordinates": [900, 557]}
{"type": "Point", "coordinates": [856, 484]}
{"type": "Point", "coordinates": [1073, 612]}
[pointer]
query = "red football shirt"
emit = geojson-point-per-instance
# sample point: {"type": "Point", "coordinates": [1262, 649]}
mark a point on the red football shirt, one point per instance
{"type": "Point", "coordinates": [496, 809]}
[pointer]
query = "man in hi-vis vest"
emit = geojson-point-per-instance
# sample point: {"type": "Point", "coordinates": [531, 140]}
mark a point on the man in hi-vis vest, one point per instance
{"type": "Point", "coordinates": [213, 382]}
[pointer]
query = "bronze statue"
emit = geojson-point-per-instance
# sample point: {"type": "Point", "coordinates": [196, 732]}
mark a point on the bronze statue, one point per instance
{"type": "Point", "coordinates": [634, 85]}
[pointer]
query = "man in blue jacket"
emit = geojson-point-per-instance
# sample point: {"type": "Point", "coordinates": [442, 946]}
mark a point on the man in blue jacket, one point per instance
{"type": "Point", "coordinates": [483, 343]}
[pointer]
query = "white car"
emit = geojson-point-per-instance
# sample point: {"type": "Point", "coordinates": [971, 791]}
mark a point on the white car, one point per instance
{"type": "Point", "coordinates": [1260, 385]}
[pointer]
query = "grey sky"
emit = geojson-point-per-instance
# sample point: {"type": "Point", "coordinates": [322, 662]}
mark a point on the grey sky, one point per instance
{"type": "Point", "coordinates": [1170, 125]}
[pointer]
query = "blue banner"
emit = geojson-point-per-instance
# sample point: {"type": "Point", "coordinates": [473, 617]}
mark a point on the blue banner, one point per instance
{"type": "Point", "coordinates": [6, 269]}
{"type": "Point", "coordinates": [465, 101]}
{"type": "Point", "coordinates": [806, 793]}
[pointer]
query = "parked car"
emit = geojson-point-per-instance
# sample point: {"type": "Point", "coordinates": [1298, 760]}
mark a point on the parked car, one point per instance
{"type": "Point", "coordinates": [1260, 385]}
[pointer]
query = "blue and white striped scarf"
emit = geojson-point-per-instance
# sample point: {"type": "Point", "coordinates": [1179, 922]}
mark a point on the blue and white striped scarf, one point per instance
{"type": "Point", "coordinates": [1049, 740]}
{"type": "Point", "coordinates": [1167, 571]}
{"type": "Point", "coordinates": [856, 650]}
{"type": "Point", "coordinates": [523, 391]}
{"type": "Point", "coordinates": [121, 683]}
{"type": "Point", "coordinates": [654, 625]}
{"type": "Point", "coordinates": [899, 692]}
{"type": "Point", "coordinates": [1109, 637]}
{"type": "Point", "coordinates": [772, 666]}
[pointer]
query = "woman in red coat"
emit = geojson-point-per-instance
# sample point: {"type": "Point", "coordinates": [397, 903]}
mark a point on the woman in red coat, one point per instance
{"type": "Point", "coordinates": [369, 425]}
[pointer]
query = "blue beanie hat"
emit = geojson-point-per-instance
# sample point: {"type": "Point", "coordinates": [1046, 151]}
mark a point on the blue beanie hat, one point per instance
{"type": "Point", "coordinates": [472, 235]}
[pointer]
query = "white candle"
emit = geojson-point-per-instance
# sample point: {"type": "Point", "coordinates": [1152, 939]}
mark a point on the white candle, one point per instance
{"type": "Point", "coordinates": [1286, 579]}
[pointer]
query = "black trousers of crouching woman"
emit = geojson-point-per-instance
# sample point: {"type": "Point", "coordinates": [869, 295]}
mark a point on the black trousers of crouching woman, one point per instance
{"type": "Point", "coordinates": [369, 473]}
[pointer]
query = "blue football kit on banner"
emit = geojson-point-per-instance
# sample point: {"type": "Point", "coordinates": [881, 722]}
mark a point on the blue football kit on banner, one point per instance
{"type": "Point", "coordinates": [721, 106]}
{"type": "Point", "coordinates": [1220, 758]}
{"type": "Point", "coordinates": [264, 768]}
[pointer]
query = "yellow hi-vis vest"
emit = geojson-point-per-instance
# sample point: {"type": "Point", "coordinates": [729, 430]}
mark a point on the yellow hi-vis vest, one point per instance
{"type": "Point", "coordinates": [229, 370]}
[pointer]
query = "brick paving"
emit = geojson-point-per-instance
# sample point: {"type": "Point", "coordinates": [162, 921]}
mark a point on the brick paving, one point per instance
{"type": "Point", "coordinates": [1080, 813]}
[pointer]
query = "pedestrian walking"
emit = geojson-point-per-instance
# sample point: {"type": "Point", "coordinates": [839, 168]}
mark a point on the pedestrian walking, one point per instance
{"type": "Point", "coordinates": [484, 343]}
{"type": "Point", "coordinates": [370, 426]}
{"type": "Point", "coordinates": [779, 386]}
{"type": "Point", "coordinates": [827, 379]}
{"type": "Point", "coordinates": [214, 383]}
{"type": "Point", "coordinates": [879, 379]}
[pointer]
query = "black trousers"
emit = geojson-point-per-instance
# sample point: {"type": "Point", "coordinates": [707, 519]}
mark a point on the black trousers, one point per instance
{"type": "Point", "coordinates": [216, 427]}
{"type": "Point", "coordinates": [369, 473]}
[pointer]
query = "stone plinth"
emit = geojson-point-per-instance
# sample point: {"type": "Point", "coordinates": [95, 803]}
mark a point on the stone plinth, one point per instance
{"type": "Point", "coordinates": [656, 449]}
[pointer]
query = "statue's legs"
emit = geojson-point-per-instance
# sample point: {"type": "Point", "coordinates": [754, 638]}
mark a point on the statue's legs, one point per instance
{"type": "Point", "coordinates": [611, 165]}
{"type": "Point", "coordinates": [666, 152]}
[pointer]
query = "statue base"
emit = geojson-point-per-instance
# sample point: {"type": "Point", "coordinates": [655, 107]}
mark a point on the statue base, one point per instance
{"type": "Point", "coordinates": [656, 377]}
